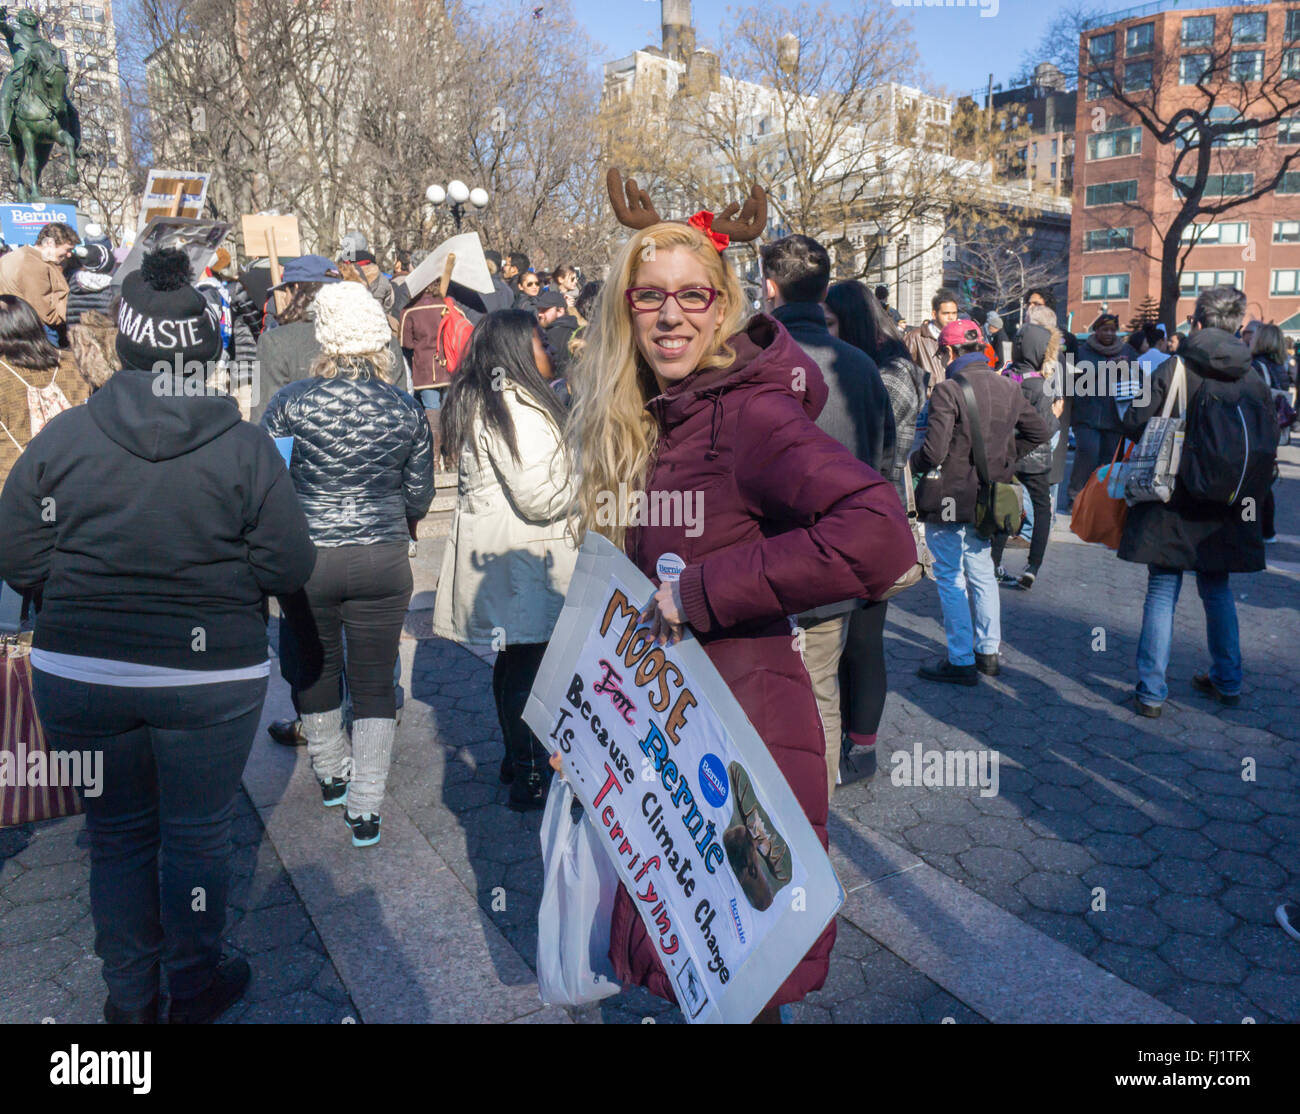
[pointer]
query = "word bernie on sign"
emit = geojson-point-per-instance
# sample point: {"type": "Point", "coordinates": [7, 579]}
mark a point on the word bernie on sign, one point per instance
{"type": "Point", "coordinates": [707, 838]}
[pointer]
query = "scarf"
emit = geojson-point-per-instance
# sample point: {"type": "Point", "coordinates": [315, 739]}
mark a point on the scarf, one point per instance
{"type": "Point", "coordinates": [1106, 350]}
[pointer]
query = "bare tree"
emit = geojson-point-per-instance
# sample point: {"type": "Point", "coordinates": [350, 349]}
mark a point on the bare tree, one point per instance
{"type": "Point", "coordinates": [1213, 124]}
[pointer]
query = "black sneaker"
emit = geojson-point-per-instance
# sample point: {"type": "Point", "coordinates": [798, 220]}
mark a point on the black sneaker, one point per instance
{"type": "Point", "coordinates": [1150, 711]}
{"type": "Point", "coordinates": [856, 763]}
{"type": "Point", "coordinates": [1028, 577]}
{"type": "Point", "coordinates": [1202, 683]}
{"type": "Point", "coordinates": [228, 986]}
{"type": "Point", "coordinates": [365, 829]}
{"type": "Point", "coordinates": [988, 664]}
{"type": "Point", "coordinates": [528, 790]}
{"type": "Point", "coordinates": [944, 670]}
{"type": "Point", "coordinates": [333, 791]}
{"type": "Point", "coordinates": [1003, 576]}
{"type": "Point", "coordinates": [287, 732]}
{"type": "Point", "coordinates": [145, 1015]}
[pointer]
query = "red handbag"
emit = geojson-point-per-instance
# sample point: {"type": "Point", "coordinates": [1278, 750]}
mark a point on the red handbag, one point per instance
{"type": "Point", "coordinates": [21, 738]}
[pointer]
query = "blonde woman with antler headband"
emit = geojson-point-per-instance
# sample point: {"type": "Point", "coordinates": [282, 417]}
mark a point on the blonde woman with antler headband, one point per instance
{"type": "Point", "coordinates": [710, 415]}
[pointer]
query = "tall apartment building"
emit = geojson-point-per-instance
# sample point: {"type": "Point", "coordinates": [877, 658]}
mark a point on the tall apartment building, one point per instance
{"type": "Point", "coordinates": [1047, 108]}
{"type": "Point", "coordinates": [1123, 193]}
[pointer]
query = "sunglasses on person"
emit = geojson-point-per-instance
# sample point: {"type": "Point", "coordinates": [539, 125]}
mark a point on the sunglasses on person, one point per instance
{"type": "Point", "coordinates": [691, 299]}
{"type": "Point", "coordinates": [530, 284]}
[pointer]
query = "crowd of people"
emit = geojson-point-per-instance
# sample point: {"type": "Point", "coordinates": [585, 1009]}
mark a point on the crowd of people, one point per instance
{"type": "Point", "coordinates": [816, 423]}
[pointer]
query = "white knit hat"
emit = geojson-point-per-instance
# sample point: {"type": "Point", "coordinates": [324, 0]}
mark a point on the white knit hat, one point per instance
{"type": "Point", "coordinates": [349, 322]}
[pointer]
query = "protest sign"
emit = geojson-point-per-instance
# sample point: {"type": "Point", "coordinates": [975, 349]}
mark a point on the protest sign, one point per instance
{"type": "Point", "coordinates": [197, 238]}
{"type": "Point", "coordinates": [21, 224]}
{"type": "Point", "coordinates": [172, 193]}
{"type": "Point", "coordinates": [469, 268]}
{"type": "Point", "coordinates": [707, 837]}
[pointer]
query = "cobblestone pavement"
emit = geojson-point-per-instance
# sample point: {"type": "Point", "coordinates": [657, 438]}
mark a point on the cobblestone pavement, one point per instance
{"type": "Point", "coordinates": [1156, 848]}
{"type": "Point", "coordinates": [48, 968]}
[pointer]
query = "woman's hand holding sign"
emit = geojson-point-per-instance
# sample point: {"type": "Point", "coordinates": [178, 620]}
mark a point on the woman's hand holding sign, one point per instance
{"type": "Point", "coordinates": [665, 614]}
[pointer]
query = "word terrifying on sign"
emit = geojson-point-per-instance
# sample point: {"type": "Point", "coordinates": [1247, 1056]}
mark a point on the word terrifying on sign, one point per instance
{"type": "Point", "coordinates": [707, 838]}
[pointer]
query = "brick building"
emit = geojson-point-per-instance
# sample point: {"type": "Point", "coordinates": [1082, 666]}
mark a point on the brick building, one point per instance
{"type": "Point", "coordinates": [1123, 195]}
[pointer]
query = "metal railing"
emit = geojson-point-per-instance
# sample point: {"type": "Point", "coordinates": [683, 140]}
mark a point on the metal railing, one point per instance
{"type": "Point", "coordinates": [1158, 6]}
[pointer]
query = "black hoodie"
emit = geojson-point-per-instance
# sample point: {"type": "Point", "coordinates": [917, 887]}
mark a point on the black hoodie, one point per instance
{"type": "Point", "coordinates": [1184, 533]}
{"type": "Point", "coordinates": [155, 526]}
{"type": "Point", "coordinates": [1028, 354]}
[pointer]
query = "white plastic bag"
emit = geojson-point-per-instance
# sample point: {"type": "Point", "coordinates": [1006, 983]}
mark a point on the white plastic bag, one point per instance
{"type": "Point", "coordinates": [573, 965]}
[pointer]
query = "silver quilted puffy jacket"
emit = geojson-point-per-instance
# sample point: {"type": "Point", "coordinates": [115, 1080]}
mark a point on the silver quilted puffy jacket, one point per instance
{"type": "Point", "coordinates": [362, 460]}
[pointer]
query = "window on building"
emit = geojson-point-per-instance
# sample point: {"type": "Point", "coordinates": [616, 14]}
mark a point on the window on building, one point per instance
{"type": "Point", "coordinates": [1140, 39]}
{"type": "Point", "coordinates": [1249, 27]}
{"type": "Point", "coordinates": [1115, 143]}
{"type": "Point", "coordinates": [1053, 171]}
{"type": "Point", "coordinates": [1243, 136]}
{"type": "Point", "coordinates": [1291, 62]}
{"type": "Point", "coordinates": [1101, 48]}
{"type": "Point", "coordinates": [1293, 26]}
{"type": "Point", "coordinates": [1053, 148]}
{"type": "Point", "coordinates": [1107, 239]}
{"type": "Point", "coordinates": [1284, 284]}
{"type": "Point", "coordinates": [1192, 68]}
{"type": "Point", "coordinates": [1229, 232]}
{"type": "Point", "coordinates": [1111, 193]}
{"type": "Point", "coordinates": [1198, 30]}
{"type": "Point", "coordinates": [1191, 283]}
{"type": "Point", "coordinates": [1100, 84]}
{"type": "Point", "coordinates": [1098, 287]}
{"type": "Point", "coordinates": [1289, 182]}
{"type": "Point", "coordinates": [1137, 76]}
{"type": "Point", "coordinates": [1246, 65]}
{"type": "Point", "coordinates": [1286, 232]}
{"type": "Point", "coordinates": [76, 34]}
{"type": "Point", "coordinates": [1220, 185]}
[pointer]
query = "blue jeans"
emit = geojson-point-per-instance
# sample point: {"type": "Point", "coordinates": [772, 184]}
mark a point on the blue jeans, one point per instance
{"type": "Point", "coordinates": [431, 397]}
{"type": "Point", "coordinates": [172, 759]}
{"type": "Point", "coordinates": [1155, 643]}
{"type": "Point", "coordinates": [962, 559]}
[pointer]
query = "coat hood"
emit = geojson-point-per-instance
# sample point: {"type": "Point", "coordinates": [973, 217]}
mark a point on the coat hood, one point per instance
{"type": "Point", "coordinates": [131, 411]}
{"type": "Point", "coordinates": [1217, 354]}
{"type": "Point", "coordinates": [1031, 348]}
{"type": "Point", "coordinates": [767, 359]}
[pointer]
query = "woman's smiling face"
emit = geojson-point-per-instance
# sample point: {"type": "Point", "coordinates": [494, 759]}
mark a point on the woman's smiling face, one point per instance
{"type": "Point", "coordinates": [672, 341]}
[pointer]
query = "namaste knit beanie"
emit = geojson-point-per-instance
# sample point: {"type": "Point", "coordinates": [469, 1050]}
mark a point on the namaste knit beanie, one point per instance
{"type": "Point", "coordinates": [163, 318]}
{"type": "Point", "coordinates": [349, 322]}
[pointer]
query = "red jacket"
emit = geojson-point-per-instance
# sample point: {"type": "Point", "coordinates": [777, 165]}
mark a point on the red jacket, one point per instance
{"type": "Point", "coordinates": [789, 520]}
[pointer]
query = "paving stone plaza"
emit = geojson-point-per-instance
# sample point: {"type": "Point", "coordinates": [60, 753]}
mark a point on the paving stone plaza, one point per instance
{"type": "Point", "coordinates": [1125, 871]}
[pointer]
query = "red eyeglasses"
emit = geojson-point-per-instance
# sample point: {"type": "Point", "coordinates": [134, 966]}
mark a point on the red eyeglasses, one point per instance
{"type": "Point", "coordinates": [691, 299]}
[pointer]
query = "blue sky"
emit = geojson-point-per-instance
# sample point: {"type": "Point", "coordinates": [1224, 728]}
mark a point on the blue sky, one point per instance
{"type": "Point", "coordinates": [959, 46]}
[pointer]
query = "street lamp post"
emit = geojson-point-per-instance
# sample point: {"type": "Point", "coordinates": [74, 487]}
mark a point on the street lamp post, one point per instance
{"type": "Point", "coordinates": [456, 194]}
{"type": "Point", "coordinates": [1014, 255]}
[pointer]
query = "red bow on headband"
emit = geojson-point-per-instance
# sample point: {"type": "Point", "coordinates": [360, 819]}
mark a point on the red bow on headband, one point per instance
{"type": "Point", "coordinates": [703, 220]}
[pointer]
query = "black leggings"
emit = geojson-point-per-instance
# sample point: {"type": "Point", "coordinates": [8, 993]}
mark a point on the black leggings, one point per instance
{"type": "Point", "coordinates": [365, 589]}
{"type": "Point", "coordinates": [863, 682]}
{"type": "Point", "coordinates": [1040, 496]}
{"type": "Point", "coordinates": [513, 674]}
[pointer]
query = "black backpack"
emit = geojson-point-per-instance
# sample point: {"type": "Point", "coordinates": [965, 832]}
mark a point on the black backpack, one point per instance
{"type": "Point", "coordinates": [1229, 443]}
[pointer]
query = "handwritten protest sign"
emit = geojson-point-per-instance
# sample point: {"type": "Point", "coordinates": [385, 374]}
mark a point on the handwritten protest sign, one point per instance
{"type": "Point", "coordinates": [707, 837]}
{"type": "Point", "coordinates": [172, 193]}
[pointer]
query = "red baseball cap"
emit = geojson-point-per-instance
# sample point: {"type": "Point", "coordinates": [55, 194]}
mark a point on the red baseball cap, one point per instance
{"type": "Point", "coordinates": [959, 332]}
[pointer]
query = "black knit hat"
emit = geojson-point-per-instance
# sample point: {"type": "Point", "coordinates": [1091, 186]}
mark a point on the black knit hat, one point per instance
{"type": "Point", "coordinates": [163, 318]}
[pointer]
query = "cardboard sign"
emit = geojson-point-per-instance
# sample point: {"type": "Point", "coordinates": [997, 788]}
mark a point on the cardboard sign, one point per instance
{"type": "Point", "coordinates": [469, 269]}
{"type": "Point", "coordinates": [707, 837]}
{"type": "Point", "coordinates": [267, 235]}
{"type": "Point", "coordinates": [21, 224]}
{"type": "Point", "coordinates": [173, 193]}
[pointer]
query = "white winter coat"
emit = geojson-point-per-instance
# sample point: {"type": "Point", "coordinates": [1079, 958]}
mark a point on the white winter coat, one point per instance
{"type": "Point", "coordinates": [508, 560]}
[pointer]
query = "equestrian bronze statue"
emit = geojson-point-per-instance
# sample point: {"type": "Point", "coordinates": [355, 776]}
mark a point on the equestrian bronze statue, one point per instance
{"type": "Point", "coordinates": [35, 112]}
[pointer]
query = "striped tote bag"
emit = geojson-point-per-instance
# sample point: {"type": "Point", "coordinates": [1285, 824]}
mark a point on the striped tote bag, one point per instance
{"type": "Point", "coordinates": [24, 757]}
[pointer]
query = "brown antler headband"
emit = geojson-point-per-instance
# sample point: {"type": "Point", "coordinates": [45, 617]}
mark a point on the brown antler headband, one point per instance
{"type": "Point", "coordinates": [634, 209]}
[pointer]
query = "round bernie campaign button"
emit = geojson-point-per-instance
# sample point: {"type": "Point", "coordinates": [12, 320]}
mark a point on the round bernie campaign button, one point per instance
{"type": "Point", "coordinates": [713, 780]}
{"type": "Point", "coordinates": [669, 567]}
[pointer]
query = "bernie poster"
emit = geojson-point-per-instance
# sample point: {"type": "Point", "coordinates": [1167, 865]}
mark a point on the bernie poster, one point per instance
{"type": "Point", "coordinates": [727, 874]}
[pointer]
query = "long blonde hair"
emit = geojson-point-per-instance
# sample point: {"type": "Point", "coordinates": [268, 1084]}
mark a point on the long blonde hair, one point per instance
{"type": "Point", "coordinates": [610, 437]}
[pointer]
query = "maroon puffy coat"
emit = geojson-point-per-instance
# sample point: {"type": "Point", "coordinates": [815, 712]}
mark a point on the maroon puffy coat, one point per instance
{"type": "Point", "coordinates": [791, 520]}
